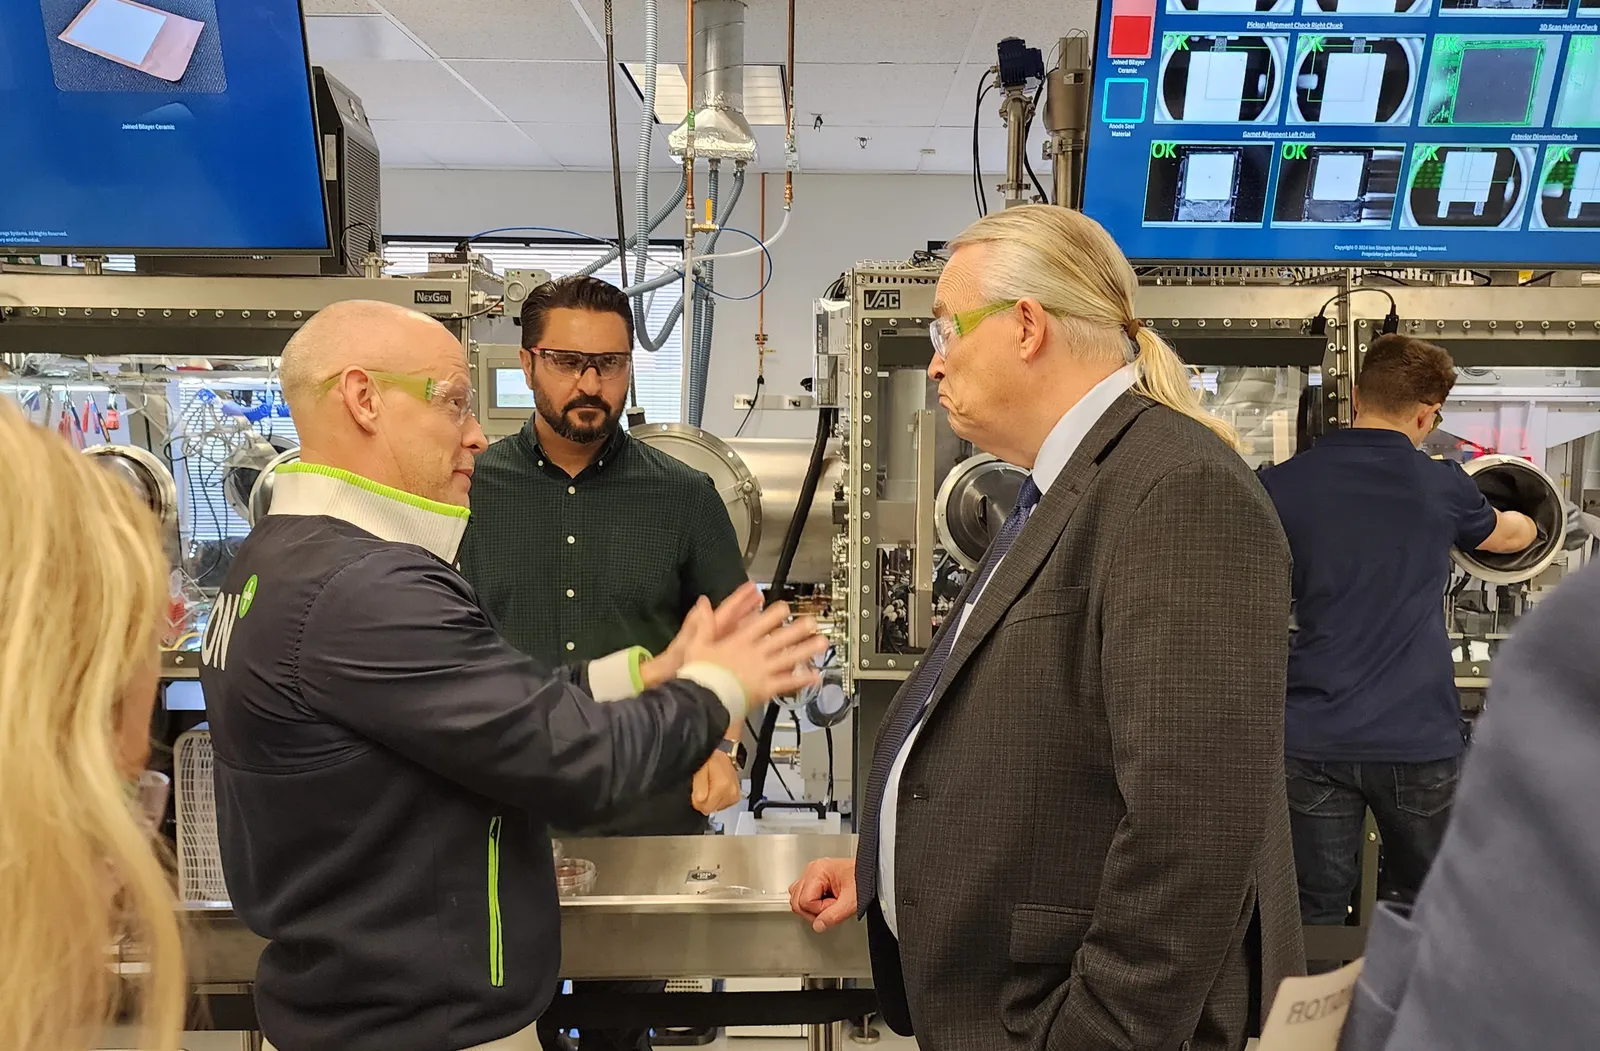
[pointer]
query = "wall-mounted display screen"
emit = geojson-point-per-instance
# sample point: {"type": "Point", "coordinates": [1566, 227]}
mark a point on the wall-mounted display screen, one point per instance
{"type": "Point", "coordinates": [1366, 132]}
{"type": "Point", "coordinates": [169, 126]}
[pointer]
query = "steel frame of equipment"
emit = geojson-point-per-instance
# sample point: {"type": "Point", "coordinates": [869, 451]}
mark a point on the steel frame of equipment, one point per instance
{"type": "Point", "coordinates": [1212, 323]}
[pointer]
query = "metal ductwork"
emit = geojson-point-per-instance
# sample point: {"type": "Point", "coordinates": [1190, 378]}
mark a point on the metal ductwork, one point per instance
{"type": "Point", "coordinates": [720, 129]}
{"type": "Point", "coordinates": [1514, 484]}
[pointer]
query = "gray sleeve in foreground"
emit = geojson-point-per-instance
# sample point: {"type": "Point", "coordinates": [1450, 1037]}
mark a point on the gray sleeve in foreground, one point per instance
{"type": "Point", "coordinates": [396, 650]}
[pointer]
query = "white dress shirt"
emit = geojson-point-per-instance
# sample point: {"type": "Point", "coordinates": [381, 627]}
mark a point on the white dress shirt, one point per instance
{"type": "Point", "coordinates": [1059, 445]}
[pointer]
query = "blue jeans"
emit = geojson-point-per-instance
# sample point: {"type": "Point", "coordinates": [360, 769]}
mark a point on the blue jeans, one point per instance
{"type": "Point", "coordinates": [1327, 810]}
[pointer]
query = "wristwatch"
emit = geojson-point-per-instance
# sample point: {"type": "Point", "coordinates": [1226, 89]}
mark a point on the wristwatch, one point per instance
{"type": "Point", "coordinates": [734, 750]}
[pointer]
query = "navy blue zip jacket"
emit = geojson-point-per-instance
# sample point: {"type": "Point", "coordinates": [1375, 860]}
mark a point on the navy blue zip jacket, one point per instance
{"type": "Point", "coordinates": [386, 766]}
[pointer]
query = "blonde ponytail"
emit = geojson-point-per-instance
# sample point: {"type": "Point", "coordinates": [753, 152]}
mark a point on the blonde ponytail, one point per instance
{"type": "Point", "coordinates": [1075, 270]}
{"type": "Point", "coordinates": [1164, 378]}
{"type": "Point", "coordinates": [81, 585]}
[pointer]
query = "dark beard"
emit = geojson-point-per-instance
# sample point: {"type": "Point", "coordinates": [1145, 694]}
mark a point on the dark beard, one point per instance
{"type": "Point", "coordinates": [563, 425]}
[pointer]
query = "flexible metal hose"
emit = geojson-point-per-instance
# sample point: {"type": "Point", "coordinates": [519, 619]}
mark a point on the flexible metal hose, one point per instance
{"type": "Point", "coordinates": [641, 183]}
{"type": "Point", "coordinates": [670, 208]}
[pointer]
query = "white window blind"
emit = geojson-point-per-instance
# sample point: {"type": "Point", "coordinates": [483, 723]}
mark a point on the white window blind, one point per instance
{"type": "Point", "coordinates": [658, 376]}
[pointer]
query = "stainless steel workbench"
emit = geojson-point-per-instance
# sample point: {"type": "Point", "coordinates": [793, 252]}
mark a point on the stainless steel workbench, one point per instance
{"type": "Point", "coordinates": [661, 907]}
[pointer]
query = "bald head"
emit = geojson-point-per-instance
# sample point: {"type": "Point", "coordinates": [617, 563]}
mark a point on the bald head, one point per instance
{"type": "Point", "coordinates": [390, 413]}
{"type": "Point", "coordinates": [358, 333]}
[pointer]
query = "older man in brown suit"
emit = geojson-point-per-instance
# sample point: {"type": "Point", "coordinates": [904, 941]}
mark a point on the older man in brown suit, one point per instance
{"type": "Point", "coordinates": [1075, 835]}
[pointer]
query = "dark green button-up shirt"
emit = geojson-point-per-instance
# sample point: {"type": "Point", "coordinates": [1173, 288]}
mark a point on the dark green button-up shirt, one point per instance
{"type": "Point", "coordinates": [575, 568]}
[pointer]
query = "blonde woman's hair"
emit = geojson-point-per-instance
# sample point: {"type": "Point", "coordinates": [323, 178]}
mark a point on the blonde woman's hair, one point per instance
{"type": "Point", "coordinates": [82, 579]}
{"type": "Point", "coordinates": [1068, 262]}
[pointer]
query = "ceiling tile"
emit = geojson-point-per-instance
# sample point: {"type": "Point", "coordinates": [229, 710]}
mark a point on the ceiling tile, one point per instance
{"type": "Point", "coordinates": [885, 30]}
{"type": "Point", "coordinates": [338, 7]}
{"type": "Point", "coordinates": [839, 149]}
{"type": "Point", "coordinates": [486, 145]}
{"type": "Point", "coordinates": [410, 91]}
{"type": "Point", "coordinates": [551, 92]}
{"type": "Point", "coordinates": [335, 38]}
{"type": "Point", "coordinates": [586, 147]}
{"type": "Point", "coordinates": [904, 95]}
{"type": "Point", "coordinates": [404, 144]}
{"type": "Point", "coordinates": [547, 29]}
{"type": "Point", "coordinates": [765, 40]}
{"type": "Point", "coordinates": [1040, 22]}
{"type": "Point", "coordinates": [957, 112]}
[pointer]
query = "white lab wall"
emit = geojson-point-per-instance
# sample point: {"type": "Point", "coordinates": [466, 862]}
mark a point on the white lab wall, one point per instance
{"type": "Point", "coordinates": [838, 220]}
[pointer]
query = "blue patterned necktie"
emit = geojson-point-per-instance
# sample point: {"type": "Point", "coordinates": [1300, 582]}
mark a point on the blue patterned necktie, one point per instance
{"type": "Point", "coordinates": [905, 715]}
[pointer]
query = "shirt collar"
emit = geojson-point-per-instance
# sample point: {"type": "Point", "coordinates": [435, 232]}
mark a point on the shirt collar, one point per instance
{"type": "Point", "coordinates": [1380, 437]}
{"type": "Point", "coordinates": [609, 453]}
{"type": "Point", "coordinates": [1069, 432]}
{"type": "Point", "coordinates": [389, 514]}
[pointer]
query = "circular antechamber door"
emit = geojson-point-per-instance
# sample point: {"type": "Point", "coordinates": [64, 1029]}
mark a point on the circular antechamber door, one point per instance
{"type": "Point", "coordinates": [1513, 484]}
{"type": "Point", "coordinates": [261, 491]}
{"type": "Point", "coordinates": [972, 505]}
{"type": "Point", "coordinates": [246, 466]}
{"type": "Point", "coordinates": [144, 473]}
{"type": "Point", "coordinates": [705, 452]}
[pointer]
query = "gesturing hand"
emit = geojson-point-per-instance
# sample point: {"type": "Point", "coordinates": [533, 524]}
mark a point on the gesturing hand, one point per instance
{"type": "Point", "coordinates": [825, 894]}
{"type": "Point", "coordinates": [771, 656]}
{"type": "Point", "coordinates": [703, 624]}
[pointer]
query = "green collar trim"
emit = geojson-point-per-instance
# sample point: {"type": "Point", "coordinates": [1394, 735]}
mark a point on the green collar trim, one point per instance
{"type": "Point", "coordinates": [388, 492]}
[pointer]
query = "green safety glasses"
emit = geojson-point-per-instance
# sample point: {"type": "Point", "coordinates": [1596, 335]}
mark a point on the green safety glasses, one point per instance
{"type": "Point", "coordinates": [455, 397]}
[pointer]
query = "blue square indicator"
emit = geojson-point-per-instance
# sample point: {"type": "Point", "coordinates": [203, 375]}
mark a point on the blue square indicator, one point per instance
{"type": "Point", "coordinates": [1124, 100]}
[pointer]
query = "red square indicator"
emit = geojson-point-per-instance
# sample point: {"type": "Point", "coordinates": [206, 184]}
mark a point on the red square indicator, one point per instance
{"type": "Point", "coordinates": [1132, 36]}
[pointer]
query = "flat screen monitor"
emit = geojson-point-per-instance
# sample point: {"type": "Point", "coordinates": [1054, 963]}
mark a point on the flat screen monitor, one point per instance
{"type": "Point", "coordinates": [1354, 132]}
{"type": "Point", "coordinates": [175, 126]}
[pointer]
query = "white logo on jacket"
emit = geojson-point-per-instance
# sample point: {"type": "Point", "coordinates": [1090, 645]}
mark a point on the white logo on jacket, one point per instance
{"type": "Point", "coordinates": [219, 633]}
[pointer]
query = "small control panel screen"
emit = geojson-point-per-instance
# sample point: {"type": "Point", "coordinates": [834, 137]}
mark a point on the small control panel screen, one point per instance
{"type": "Point", "coordinates": [1359, 132]}
{"type": "Point", "coordinates": [511, 390]}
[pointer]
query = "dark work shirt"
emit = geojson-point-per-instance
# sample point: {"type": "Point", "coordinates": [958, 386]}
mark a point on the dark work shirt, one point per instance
{"type": "Point", "coordinates": [1371, 520]}
{"type": "Point", "coordinates": [571, 568]}
{"type": "Point", "coordinates": [385, 768]}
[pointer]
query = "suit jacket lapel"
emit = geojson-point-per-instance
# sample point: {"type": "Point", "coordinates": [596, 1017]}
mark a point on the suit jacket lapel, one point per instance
{"type": "Point", "coordinates": [1038, 538]}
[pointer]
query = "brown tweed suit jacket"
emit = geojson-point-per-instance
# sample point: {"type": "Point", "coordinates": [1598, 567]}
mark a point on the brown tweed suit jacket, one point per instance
{"type": "Point", "coordinates": [1092, 849]}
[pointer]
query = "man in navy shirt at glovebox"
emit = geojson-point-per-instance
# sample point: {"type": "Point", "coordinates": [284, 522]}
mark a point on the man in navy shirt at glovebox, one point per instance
{"type": "Point", "coordinates": [1373, 718]}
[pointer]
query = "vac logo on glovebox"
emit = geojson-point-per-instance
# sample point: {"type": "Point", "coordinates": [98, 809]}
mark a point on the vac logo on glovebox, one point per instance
{"type": "Point", "coordinates": [431, 297]}
{"type": "Point", "coordinates": [880, 299]}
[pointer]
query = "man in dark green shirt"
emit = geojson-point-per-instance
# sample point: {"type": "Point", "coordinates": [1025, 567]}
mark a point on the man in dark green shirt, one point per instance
{"type": "Point", "coordinates": [583, 539]}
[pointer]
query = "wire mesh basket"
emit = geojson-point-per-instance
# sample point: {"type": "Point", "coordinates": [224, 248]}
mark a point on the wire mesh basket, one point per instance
{"type": "Point", "coordinates": [199, 857]}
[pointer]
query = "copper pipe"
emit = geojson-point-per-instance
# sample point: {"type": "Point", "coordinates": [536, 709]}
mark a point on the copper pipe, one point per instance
{"type": "Point", "coordinates": [788, 175]}
{"type": "Point", "coordinates": [761, 261]}
{"type": "Point", "coordinates": [688, 150]}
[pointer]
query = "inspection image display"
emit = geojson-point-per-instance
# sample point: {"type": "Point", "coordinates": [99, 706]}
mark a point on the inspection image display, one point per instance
{"type": "Point", "coordinates": [1244, 7]}
{"type": "Point", "coordinates": [1569, 190]}
{"type": "Point", "coordinates": [1375, 133]}
{"type": "Point", "coordinates": [1355, 80]}
{"type": "Point", "coordinates": [122, 45]}
{"type": "Point", "coordinates": [1366, 7]}
{"type": "Point", "coordinates": [1468, 186]}
{"type": "Point", "coordinates": [1547, 8]}
{"type": "Point", "coordinates": [1578, 104]}
{"type": "Point", "coordinates": [1349, 185]}
{"type": "Point", "coordinates": [1478, 81]}
{"type": "Point", "coordinates": [1221, 79]}
{"type": "Point", "coordinates": [1207, 182]}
